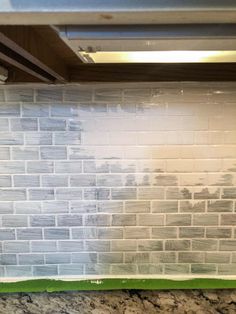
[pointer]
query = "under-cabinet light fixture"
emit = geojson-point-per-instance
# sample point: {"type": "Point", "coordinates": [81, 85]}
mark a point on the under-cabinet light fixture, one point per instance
{"type": "Point", "coordinates": [152, 43]}
{"type": "Point", "coordinates": [158, 56]}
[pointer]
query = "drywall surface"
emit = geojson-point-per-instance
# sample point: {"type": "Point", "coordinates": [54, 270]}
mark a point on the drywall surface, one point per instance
{"type": "Point", "coordinates": [118, 180]}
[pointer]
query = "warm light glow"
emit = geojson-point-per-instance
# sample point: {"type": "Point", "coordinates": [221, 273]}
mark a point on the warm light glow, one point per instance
{"type": "Point", "coordinates": [159, 56]}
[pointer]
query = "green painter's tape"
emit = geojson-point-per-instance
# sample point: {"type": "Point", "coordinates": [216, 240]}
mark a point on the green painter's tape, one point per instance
{"type": "Point", "coordinates": [41, 285]}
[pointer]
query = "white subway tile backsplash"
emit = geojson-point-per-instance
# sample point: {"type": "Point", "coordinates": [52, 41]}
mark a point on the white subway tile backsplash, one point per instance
{"type": "Point", "coordinates": [118, 180]}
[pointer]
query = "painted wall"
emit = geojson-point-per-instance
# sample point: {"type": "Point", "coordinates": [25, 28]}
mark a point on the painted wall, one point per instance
{"type": "Point", "coordinates": [118, 180]}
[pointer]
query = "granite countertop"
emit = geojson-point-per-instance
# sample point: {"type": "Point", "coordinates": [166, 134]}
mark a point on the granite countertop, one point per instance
{"type": "Point", "coordinates": [117, 302]}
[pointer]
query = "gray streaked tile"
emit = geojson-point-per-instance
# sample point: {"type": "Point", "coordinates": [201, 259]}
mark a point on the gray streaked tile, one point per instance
{"type": "Point", "coordinates": [70, 246]}
{"type": "Point", "coordinates": [38, 138]}
{"type": "Point", "coordinates": [6, 208]}
{"type": "Point", "coordinates": [176, 269]}
{"type": "Point", "coordinates": [78, 95]}
{"type": "Point", "coordinates": [178, 193]}
{"type": "Point", "coordinates": [97, 269]}
{"type": "Point", "coordinates": [70, 269]}
{"type": "Point", "coordinates": [109, 233]}
{"type": "Point", "coordinates": [45, 270]}
{"type": "Point", "coordinates": [56, 233]}
{"type": "Point", "coordinates": [123, 193]}
{"type": "Point", "coordinates": [41, 194]}
{"type": "Point", "coordinates": [110, 258]}
{"type": "Point", "coordinates": [204, 245]}
{"type": "Point", "coordinates": [97, 245]}
{"type": "Point", "coordinates": [81, 258]}
{"type": "Point", "coordinates": [53, 152]}
{"type": "Point", "coordinates": [82, 180]}
{"type": "Point", "coordinates": [229, 193]}
{"type": "Point", "coordinates": [19, 94]}
{"type": "Point", "coordinates": [123, 220]}
{"type": "Point", "coordinates": [228, 219]}
{"type": "Point", "coordinates": [177, 245]}
{"type": "Point", "coordinates": [31, 259]}
{"type": "Point", "coordinates": [83, 207]}
{"type": "Point", "coordinates": [7, 234]}
{"type": "Point", "coordinates": [178, 219]}
{"type": "Point", "coordinates": [207, 193]}
{"type": "Point", "coordinates": [35, 110]}
{"type": "Point", "coordinates": [96, 194]}
{"type": "Point", "coordinates": [163, 257]}
{"type": "Point", "coordinates": [218, 233]}
{"type": "Point", "coordinates": [217, 257]}
{"type": "Point", "coordinates": [164, 233]}
{"type": "Point", "coordinates": [10, 110]}
{"type": "Point", "coordinates": [26, 180]}
{"type": "Point", "coordinates": [14, 221]}
{"type": "Point", "coordinates": [67, 138]}
{"type": "Point", "coordinates": [54, 180]}
{"type": "Point", "coordinates": [12, 167]}
{"type": "Point", "coordinates": [49, 124]}
{"type": "Point", "coordinates": [16, 247]}
{"type": "Point", "coordinates": [110, 206]}
{"type": "Point", "coordinates": [51, 207]}
{"type": "Point", "coordinates": [137, 206]}
{"type": "Point", "coordinates": [229, 269]}
{"type": "Point", "coordinates": [191, 257]}
{"type": "Point", "coordinates": [4, 153]}
{"type": "Point", "coordinates": [49, 94]}
{"type": "Point", "coordinates": [8, 259]}
{"type": "Point", "coordinates": [69, 220]}
{"type": "Point", "coordinates": [108, 95]}
{"type": "Point", "coordinates": [42, 221]}
{"type": "Point", "coordinates": [123, 245]}
{"type": "Point", "coordinates": [68, 167]}
{"type": "Point", "coordinates": [24, 124]}
{"type": "Point", "coordinates": [191, 232]}
{"type": "Point", "coordinates": [137, 258]}
{"type": "Point", "coordinates": [11, 138]}
{"type": "Point", "coordinates": [40, 166]}
{"type": "Point", "coordinates": [150, 269]}
{"type": "Point", "coordinates": [64, 110]}
{"type": "Point", "coordinates": [4, 125]}
{"type": "Point", "coordinates": [136, 233]}
{"type": "Point", "coordinates": [43, 246]}
{"type": "Point", "coordinates": [25, 153]}
{"type": "Point", "coordinates": [123, 269]}
{"type": "Point", "coordinates": [165, 180]}
{"type": "Point", "coordinates": [227, 245]}
{"type": "Point", "coordinates": [150, 193]}
{"type": "Point", "coordinates": [109, 180]}
{"type": "Point", "coordinates": [97, 220]}
{"type": "Point", "coordinates": [220, 206]}
{"type": "Point", "coordinates": [69, 194]}
{"type": "Point", "coordinates": [5, 181]}
{"type": "Point", "coordinates": [203, 269]}
{"type": "Point", "coordinates": [150, 219]}
{"type": "Point", "coordinates": [95, 167]}
{"type": "Point", "coordinates": [205, 220]}
{"type": "Point", "coordinates": [164, 206]}
{"type": "Point", "coordinates": [18, 271]}
{"type": "Point", "coordinates": [84, 233]}
{"type": "Point", "coordinates": [27, 207]}
{"type": "Point", "coordinates": [57, 258]}
{"type": "Point", "coordinates": [150, 245]}
{"type": "Point", "coordinates": [29, 234]}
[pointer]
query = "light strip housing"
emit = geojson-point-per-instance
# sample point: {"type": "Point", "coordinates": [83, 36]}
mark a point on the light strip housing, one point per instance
{"type": "Point", "coordinates": [192, 43]}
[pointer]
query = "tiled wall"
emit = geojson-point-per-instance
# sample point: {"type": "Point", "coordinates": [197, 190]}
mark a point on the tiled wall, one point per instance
{"type": "Point", "coordinates": [114, 180]}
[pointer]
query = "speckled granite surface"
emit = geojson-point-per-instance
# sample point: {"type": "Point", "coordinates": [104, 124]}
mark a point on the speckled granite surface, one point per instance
{"type": "Point", "coordinates": [125, 302]}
